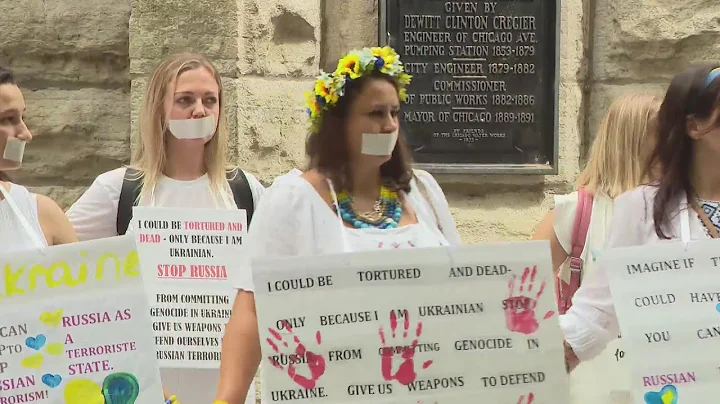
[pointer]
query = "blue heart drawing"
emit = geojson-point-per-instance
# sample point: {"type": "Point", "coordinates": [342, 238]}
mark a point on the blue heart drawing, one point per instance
{"type": "Point", "coordinates": [717, 307]}
{"type": "Point", "coordinates": [35, 342]}
{"type": "Point", "coordinates": [51, 380]}
{"type": "Point", "coordinates": [667, 395]}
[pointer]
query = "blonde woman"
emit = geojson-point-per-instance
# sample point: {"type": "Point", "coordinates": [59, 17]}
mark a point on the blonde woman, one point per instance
{"type": "Point", "coordinates": [180, 161]}
{"type": "Point", "coordinates": [617, 164]}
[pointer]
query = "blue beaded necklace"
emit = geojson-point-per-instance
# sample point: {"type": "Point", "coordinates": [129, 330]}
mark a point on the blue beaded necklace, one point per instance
{"type": "Point", "coordinates": [385, 215]}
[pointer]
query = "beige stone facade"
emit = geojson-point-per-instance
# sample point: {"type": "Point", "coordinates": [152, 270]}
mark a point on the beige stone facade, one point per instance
{"type": "Point", "coordinates": [83, 65]}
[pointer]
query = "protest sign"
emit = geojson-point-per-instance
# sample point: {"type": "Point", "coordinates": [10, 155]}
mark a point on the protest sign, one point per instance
{"type": "Point", "coordinates": [186, 257]}
{"type": "Point", "coordinates": [667, 299]}
{"type": "Point", "coordinates": [433, 325]}
{"type": "Point", "coordinates": [74, 326]}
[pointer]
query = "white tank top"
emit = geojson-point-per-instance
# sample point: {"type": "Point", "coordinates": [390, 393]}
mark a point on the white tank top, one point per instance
{"type": "Point", "coordinates": [19, 222]}
{"type": "Point", "coordinates": [416, 235]}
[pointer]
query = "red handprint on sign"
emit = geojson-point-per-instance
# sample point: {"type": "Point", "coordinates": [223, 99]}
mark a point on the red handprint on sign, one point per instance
{"type": "Point", "coordinates": [520, 309]}
{"type": "Point", "coordinates": [405, 373]}
{"type": "Point", "coordinates": [530, 399]}
{"type": "Point", "coordinates": [315, 362]}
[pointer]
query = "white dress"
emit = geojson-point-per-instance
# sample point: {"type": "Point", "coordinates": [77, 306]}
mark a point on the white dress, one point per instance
{"type": "Point", "coordinates": [294, 220]}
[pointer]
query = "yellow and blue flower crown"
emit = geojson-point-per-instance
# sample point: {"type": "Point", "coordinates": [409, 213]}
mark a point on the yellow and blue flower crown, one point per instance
{"type": "Point", "coordinates": [330, 87]}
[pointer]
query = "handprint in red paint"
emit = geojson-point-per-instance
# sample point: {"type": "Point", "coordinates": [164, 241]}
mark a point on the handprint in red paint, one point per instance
{"type": "Point", "coordinates": [530, 399]}
{"type": "Point", "coordinates": [520, 308]}
{"type": "Point", "coordinates": [315, 362]}
{"type": "Point", "coordinates": [405, 373]}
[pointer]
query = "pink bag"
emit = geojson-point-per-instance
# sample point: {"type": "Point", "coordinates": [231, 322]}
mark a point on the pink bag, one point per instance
{"type": "Point", "coordinates": [579, 235]}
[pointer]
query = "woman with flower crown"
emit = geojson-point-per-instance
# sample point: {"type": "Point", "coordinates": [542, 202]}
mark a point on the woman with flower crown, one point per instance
{"type": "Point", "coordinates": [359, 192]}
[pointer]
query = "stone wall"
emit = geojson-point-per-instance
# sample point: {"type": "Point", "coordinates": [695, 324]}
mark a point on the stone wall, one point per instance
{"type": "Point", "coordinates": [71, 59]}
{"type": "Point", "coordinates": [83, 66]}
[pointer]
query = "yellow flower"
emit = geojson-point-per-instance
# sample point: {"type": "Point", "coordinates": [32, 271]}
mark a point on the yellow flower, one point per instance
{"type": "Point", "coordinates": [332, 98]}
{"type": "Point", "coordinates": [349, 65]}
{"type": "Point", "coordinates": [404, 78]}
{"type": "Point", "coordinates": [309, 99]}
{"type": "Point", "coordinates": [402, 94]}
{"type": "Point", "coordinates": [321, 89]}
{"type": "Point", "coordinates": [386, 53]}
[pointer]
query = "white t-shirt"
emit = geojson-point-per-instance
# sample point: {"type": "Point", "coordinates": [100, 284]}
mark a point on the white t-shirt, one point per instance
{"type": "Point", "coordinates": [605, 378]}
{"type": "Point", "coordinates": [294, 220]}
{"type": "Point", "coordinates": [94, 216]}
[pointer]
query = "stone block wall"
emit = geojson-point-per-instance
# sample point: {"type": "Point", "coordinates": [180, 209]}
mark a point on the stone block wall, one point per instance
{"type": "Point", "coordinates": [71, 60]}
{"type": "Point", "coordinates": [83, 66]}
{"type": "Point", "coordinates": [639, 45]}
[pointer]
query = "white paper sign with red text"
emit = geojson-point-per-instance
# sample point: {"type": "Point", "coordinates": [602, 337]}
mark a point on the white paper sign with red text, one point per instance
{"type": "Point", "coordinates": [187, 256]}
{"type": "Point", "coordinates": [441, 325]}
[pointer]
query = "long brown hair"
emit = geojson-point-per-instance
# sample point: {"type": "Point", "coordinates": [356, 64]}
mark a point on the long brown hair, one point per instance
{"type": "Point", "coordinates": [688, 96]}
{"type": "Point", "coordinates": [327, 149]}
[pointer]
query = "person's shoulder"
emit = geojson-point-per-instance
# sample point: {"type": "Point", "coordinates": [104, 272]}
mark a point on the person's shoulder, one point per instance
{"type": "Point", "coordinates": [565, 201]}
{"type": "Point", "coordinates": [425, 180]}
{"type": "Point", "coordinates": [112, 179]}
{"type": "Point", "coordinates": [294, 187]}
{"type": "Point", "coordinates": [46, 205]}
{"type": "Point", "coordinates": [639, 197]}
{"type": "Point", "coordinates": [314, 177]}
{"type": "Point", "coordinates": [423, 176]}
{"type": "Point", "coordinates": [287, 202]}
{"type": "Point", "coordinates": [256, 187]}
{"type": "Point", "coordinates": [636, 205]}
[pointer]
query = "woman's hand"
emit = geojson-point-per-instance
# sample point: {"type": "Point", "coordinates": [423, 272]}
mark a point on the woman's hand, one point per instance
{"type": "Point", "coordinates": [571, 360]}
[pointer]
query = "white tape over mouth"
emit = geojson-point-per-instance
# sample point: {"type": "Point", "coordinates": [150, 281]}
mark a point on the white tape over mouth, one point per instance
{"type": "Point", "coordinates": [14, 150]}
{"type": "Point", "coordinates": [192, 128]}
{"type": "Point", "coordinates": [379, 144]}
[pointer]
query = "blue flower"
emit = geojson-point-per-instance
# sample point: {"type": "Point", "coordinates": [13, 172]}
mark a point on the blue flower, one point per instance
{"type": "Point", "coordinates": [379, 63]}
{"type": "Point", "coordinates": [320, 100]}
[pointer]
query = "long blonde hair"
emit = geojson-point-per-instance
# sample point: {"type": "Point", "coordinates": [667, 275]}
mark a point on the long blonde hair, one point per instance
{"type": "Point", "coordinates": [619, 155]}
{"type": "Point", "coordinates": [149, 155]}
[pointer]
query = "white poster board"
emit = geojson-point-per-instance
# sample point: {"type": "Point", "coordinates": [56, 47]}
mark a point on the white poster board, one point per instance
{"type": "Point", "coordinates": [74, 326]}
{"type": "Point", "coordinates": [667, 299]}
{"type": "Point", "coordinates": [188, 257]}
{"type": "Point", "coordinates": [435, 325]}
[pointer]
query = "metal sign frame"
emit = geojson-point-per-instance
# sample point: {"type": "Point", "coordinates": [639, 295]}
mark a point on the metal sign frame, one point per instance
{"type": "Point", "coordinates": [551, 168]}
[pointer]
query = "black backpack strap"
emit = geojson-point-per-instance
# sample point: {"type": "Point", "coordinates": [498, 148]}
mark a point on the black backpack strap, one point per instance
{"type": "Point", "coordinates": [242, 193]}
{"type": "Point", "coordinates": [128, 196]}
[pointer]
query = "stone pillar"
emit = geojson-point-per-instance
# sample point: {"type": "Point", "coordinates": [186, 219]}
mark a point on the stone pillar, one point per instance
{"type": "Point", "coordinates": [161, 28]}
{"type": "Point", "coordinates": [344, 34]}
{"type": "Point", "coordinates": [279, 51]}
{"type": "Point", "coordinates": [639, 48]}
{"type": "Point", "coordinates": [71, 61]}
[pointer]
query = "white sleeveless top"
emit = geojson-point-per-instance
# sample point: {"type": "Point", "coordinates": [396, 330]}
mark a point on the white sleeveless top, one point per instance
{"type": "Point", "coordinates": [19, 222]}
{"type": "Point", "coordinates": [605, 378]}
